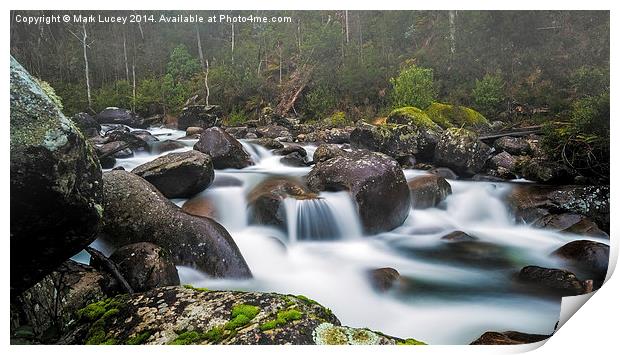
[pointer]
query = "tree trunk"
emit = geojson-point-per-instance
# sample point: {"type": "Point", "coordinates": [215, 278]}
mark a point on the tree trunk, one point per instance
{"type": "Point", "coordinates": [452, 17]}
{"type": "Point", "coordinates": [202, 58]}
{"type": "Point", "coordinates": [346, 21]}
{"type": "Point", "coordinates": [232, 43]}
{"type": "Point", "coordinates": [133, 73]}
{"type": "Point", "coordinates": [84, 45]}
{"type": "Point", "coordinates": [207, 82]}
{"type": "Point", "coordinates": [125, 54]}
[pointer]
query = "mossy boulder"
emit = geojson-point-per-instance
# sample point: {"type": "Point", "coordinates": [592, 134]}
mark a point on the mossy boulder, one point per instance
{"type": "Point", "coordinates": [185, 315]}
{"type": "Point", "coordinates": [412, 116]}
{"type": "Point", "coordinates": [461, 150]}
{"type": "Point", "coordinates": [56, 187]}
{"type": "Point", "coordinates": [447, 116]}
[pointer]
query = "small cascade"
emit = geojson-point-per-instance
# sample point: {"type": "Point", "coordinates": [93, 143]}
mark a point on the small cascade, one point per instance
{"type": "Point", "coordinates": [332, 216]}
{"type": "Point", "coordinates": [257, 152]}
{"type": "Point", "coordinates": [230, 205]}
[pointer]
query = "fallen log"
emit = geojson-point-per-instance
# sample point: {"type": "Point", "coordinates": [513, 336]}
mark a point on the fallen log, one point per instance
{"type": "Point", "coordinates": [520, 133]}
{"type": "Point", "coordinates": [100, 260]}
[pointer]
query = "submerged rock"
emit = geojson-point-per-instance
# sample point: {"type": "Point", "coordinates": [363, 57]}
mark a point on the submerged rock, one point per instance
{"type": "Point", "coordinates": [56, 188]}
{"type": "Point", "coordinates": [135, 211]}
{"type": "Point", "coordinates": [428, 191]}
{"type": "Point", "coordinates": [178, 175]}
{"type": "Point", "coordinates": [458, 236]}
{"type": "Point", "coordinates": [376, 183]}
{"type": "Point", "coordinates": [508, 338]}
{"type": "Point", "coordinates": [383, 279]}
{"type": "Point", "coordinates": [460, 150]}
{"type": "Point", "coordinates": [202, 116]}
{"type": "Point", "coordinates": [185, 315]}
{"type": "Point", "coordinates": [225, 150]}
{"type": "Point", "coordinates": [166, 146]}
{"type": "Point", "coordinates": [115, 115]}
{"type": "Point", "coordinates": [145, 266]}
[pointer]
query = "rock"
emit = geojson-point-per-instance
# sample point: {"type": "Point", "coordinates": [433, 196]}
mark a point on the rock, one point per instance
{"type": "Point", "coordinates": [56, 187]}
{"type": "Point", "coordinates": [570, 223]}
{"type": "Point", "coordinates": [460, 150]}
{"type": "Point", "coordinates": [237, 132]}
{"type": "Point", "coordinates": [383, 279]}
{"type": "Point", "coordinates": [135, 211]}
{"type": "Point", "coordinates": [502, 160]}
{"type": "Point", "coordinates": [587, 258]}
{"type": "Point", "coordinates": [178, 175]}
{"type": "Point", "coordinates": [145, 266]}
{"type": "Point", "coordinates": [458, 236]}
{"type": "Point", "coordinates": [200, 206]}
{"type": "Point", "coordinates": [294, 159]}
{"type": "Point", "coordinates": [166, 146]}
{"type": "Point", "coordinates": [87, 124]}
{"type": "Point", "coordinates": [190, 131]}
{"type": "Point", "coordinates": [268, 143]}
{"type": "Point", "coordinates": [448, 116]}
{"type": "Point", "coordinates": [412, 116]}
{"type": "Point", "coordinates": [222, 180]}
{"type": "Point", "coordinates": [185, 315]}
{"type": "Point", "coordinates": [428, 191]}
{"type": "Point", "coordinates": [251, 135]}
{"type": "Point", "coordinates": [508, 338]}
{"type": "Point", "coordinates": [554, 281]}
{"type": "Point", "coordinates": [265, 200]}
{"type": "Point", "coordinates": [107, 149]}
{"type": "Point", "coordinates": [50, 306]}
{"type": "Point", "coordinates": [513, 145]}
{"type": "Point", "coordinates": [291, 148]}
{"type": "Point", "coordinates": [107, 162]}
{"type": "Point", "coordinates": [115, 115]}
{"type": "Point", "coordinates": [397, 141]}
{"type": "Point", "coordinates": [530, 202]}
{"type": "Point", "coordinates": [327, 151]}
{"type": "Point", "coordinates": [543, 171]}
{"type": "Point", "coordinates": [225, 150]}
{"type": "Point", "coordinates": [376, 183]}
{"type": "Point", "coordinates": [329, 136]}
{"type": "Point", "coordinates": [273, 131]}
{"type": "Point", "coordinates": [199, 116]}
{"type": "Point", "coordinates": [133, 140]}
{"type": "Point", "coordinates": [586, 227]}
{"type": "Point", "coordinates": [445, 173]}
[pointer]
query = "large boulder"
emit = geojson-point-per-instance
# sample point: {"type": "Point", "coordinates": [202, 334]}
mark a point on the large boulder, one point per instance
{"type": "Point", "coordinates": [543, 171]}
{"type": "Point", "coordinates": [135, 211]}
{"type": "Point", "coordinates": [329, 135]}
{"type": "Point", "coordinates": [397, 140]}
{"type": "Point", "coordinates": [274, 131]}
{"type": "Point", "coordinates": [553, 281]}
{"type": "Point", "coordinates": [513, 145]}
{"type": "Point", "coordinates": [224, 149]}
{"type": "Point", "coordinates": [202, 116]}
{"type": "Point", "coordinates": [186, 315]}
{"type": "Point", "coordinates": [145, 266]}
{"type": "Point", "coordinates": [56, 187]}
{"type": "Point", "coordinates": [412, 116]}
{"type": "Point", "coordinates": [374, 180]}
{"type": "Point", "coordinates": [587, 258]}
{"type": "Point", "coordinates": [178, 175]}
{"type": "Point", "coordinates": [447, 116]}
{"type": "Point", "coordinates": [87, 124]}
{"type": "Point", "coordinates": [115, 115]}
{"type": "Point", "coordinates": [50, 306]}
{"type": "Point", "coordinates": [428, 191]}
{"type": "Point", "coordinates": [460, 150]}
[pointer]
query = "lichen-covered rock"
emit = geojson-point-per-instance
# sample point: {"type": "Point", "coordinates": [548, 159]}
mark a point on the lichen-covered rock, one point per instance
{"type": "Point", "coordinates": [543, 171]}
{"type": "Point", "coordinates": [328, 136]}
{"type": "Point", "coordinates": [56, 188]}
{"type": "Point", "coordinates": [428, 191]}
{"type": "Point", "coordinates": [51, 305]}
{"type": "Point", "coordinates": [448, 116]}
{"type": "Point", "coordinates": [145, 266]}
{"type": "Point", "coordinates": [327, 151]}
{"type": "Point", "coordinates": [375, 182]}
{"type": "Point", "coordinates": [225, 150]}
{"type": "Point", "coordinates": [186, 315]}
{"type": "Point", "coordinates": [135, 211]}
{"type": "Point", "coordinates": [412, 116]}
{"type": "Point", "coordinates": [115, 115]}
{"type": "Point", "coordinates": [265, 200]}
{"type": "Point", "coordinates": [202, 116]}
{"type": "Point", "coordinates": [396, 140]}
{"type": "Point", "coordinates": [87, 124]}
{"type": "Point", "coordinates": [554, 281]}
{"type": "Point", "coordinates": [513, 145]}
{"type": "Point", "coordinates": [274, 131]}
{"type": "Point", "coordinates": [178, 175]}
{"type": "Point", "coordinates": [460, 150]}
{"type": "Point", "coordinates": [191, 131]}
{"type": "Point", "coordinates": [508, 338]}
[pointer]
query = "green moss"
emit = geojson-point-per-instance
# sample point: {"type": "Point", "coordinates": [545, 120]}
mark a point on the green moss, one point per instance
{"type": "Point", "coordinates": [139, 338]}
{"type": "Point", "coordinates": [411, 116]}
{"type": "Point", "coordinates": [268, 325]}
{"type": "Point", "coordinates": [202, 289]}
{"type": "Point", "coordinates": [283, 317]}
{"type": "Point", "coordinates": [410, 341]}
{"type": "Point", "coordinates": [306, 299]}
{"type": "Point", "coordinates": [186, 338]}
{"type": "Point", "coordinates": [241, 315]}
{"type": "Point", "coordinates": [98, 314]}
{"type": "Point", "coordinates": [452, 115]}
{"type": "Point", "coordinates": [215, 334]}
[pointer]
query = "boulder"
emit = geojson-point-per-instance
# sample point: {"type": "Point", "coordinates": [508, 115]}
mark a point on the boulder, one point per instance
{"type": "Point", "coordinates": [265, 200]}
{"type": "Point", "coordinates": [166, 146]}
{"type": "Point", "coordinates": [186, 315]}
{"type": "Point", "coordinates": [445, 173]}
{"type": "Point", "coordinates": [273, 131]}
{"type": "Point", "coordinates": [460, 150]}
{"type": "Point", "coordinates": [117, 149]}
{"type": "Point", "coordinates": [327, 151]}
{"type": "Point", "coordinates": [447, 116]}
{"type": "Point", "coordinates": [508, 338]}
{"type": "Point", "coordinates": [225, 150]}
{"type": "Point", "coordinates": [200, 205]}
{"type": "Point", "coordinates": [329, 136]}
{"type": "Point", "coordinates": [291, 148]}
{"type": "Point", "coordinates": [202, 116]}
{"type": "Point", "coordinates": [190, 131]}
{"type": "Point", "coordinates": [553, 281]}
{"type": "Point", "coordinates": [384, 278]}
{"type": "Point", "coordinates": [513, 145]}
{"type": "Point", "coordinates": [571, 223]}
{"type": "Point", "coordinates": [50, 306]}
{"type": "Point", "coordinates": [87, 124]}
{"type": "Point", "coordinates": [375, 182]}
{"type": "Point", "coordinates": [543, 171]}
{"type": "Point", "coordinates": [428, 191]}
{"type": "Point", "coordinates": [145, 266]}
{"type": "Point", "coordinates": [237, 132]}
{"type": "Point", "coordinates": [178, 175]}
{"type": "Point", "coordinates": [294, 159]}
{"type": "Point", "coordinates": [135, 211]}
{"type": "Point", "coordinates": [412, 116]}
{"type": "Point", "coordinates": [587, 258]}
{"type": "Point", "coordinates": [115, 115]}
{"type": "Point", "coordinates": [268, 143]}
{"type": "Point", "coordinates": [133, 140]}
{"type": "Point", "coordinates": [502, 160]}
{"type": "Point", "coordinates": [56, 188]}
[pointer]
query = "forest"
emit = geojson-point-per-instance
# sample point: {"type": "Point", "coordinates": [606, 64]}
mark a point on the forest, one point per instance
{"type": "Point", "coordinates": [306, 177]}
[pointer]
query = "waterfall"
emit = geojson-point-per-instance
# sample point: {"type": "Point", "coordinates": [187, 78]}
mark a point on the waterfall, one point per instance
{"type": "Point", "coordinates": [257, 152]}
{"type": "Point", "coordinates": [330, 217]}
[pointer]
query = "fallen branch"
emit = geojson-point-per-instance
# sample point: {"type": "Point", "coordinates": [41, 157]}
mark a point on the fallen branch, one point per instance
{"type": "Point", "coordinates": [109, 266]}
{"type": "Point", "coordinates": [520, 133]}
{"type": "Point", "coordinates": [116, 150]}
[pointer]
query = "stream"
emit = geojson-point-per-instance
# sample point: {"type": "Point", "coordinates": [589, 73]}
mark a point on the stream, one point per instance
{"type": "Point", "coordinates": [450, 294]}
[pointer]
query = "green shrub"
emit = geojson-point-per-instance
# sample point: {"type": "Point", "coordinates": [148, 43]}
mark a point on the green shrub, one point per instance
{"type": "Point", "coordinates": [488, 94]}
{"type": "Point", "coordinates": [590, 81]}
{"type": "Point", "coordinates": [337, 119]}
{"type": "Point", "coordinates": [413, 87]}
{"type": "Point", "coordinates": [117, 94]}
{"type": "Point", "coordinates": [237, 118]}
{"type": "Point", "coordinates": [319, 101]}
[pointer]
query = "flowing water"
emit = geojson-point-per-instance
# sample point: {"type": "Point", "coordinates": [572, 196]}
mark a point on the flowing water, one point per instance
{"type": "Point", "coordinates": [451, 292]}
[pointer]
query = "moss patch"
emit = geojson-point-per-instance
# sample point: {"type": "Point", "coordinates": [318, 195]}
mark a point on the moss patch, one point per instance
{"type": "Point", "coordinates": [411, 116]}
{"type": "Point", "coordinates": [99, 314]}
{"type": "Point", "coordinates": [202, 289]}
{"type": "Point", "coordinates": [241, 315]}
{"type": "Point", "coordinates": [410, 341]}
{"type": "Point", "coordinates": [283, 317]}
{"type": "Point", "coordinates": [455, 116]}
{"type": "Point", "coordinates": [139, 338]}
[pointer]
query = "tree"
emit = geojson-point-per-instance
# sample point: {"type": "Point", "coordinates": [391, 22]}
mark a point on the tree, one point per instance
{"type": "Point", "coordinates": [413, 87]}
